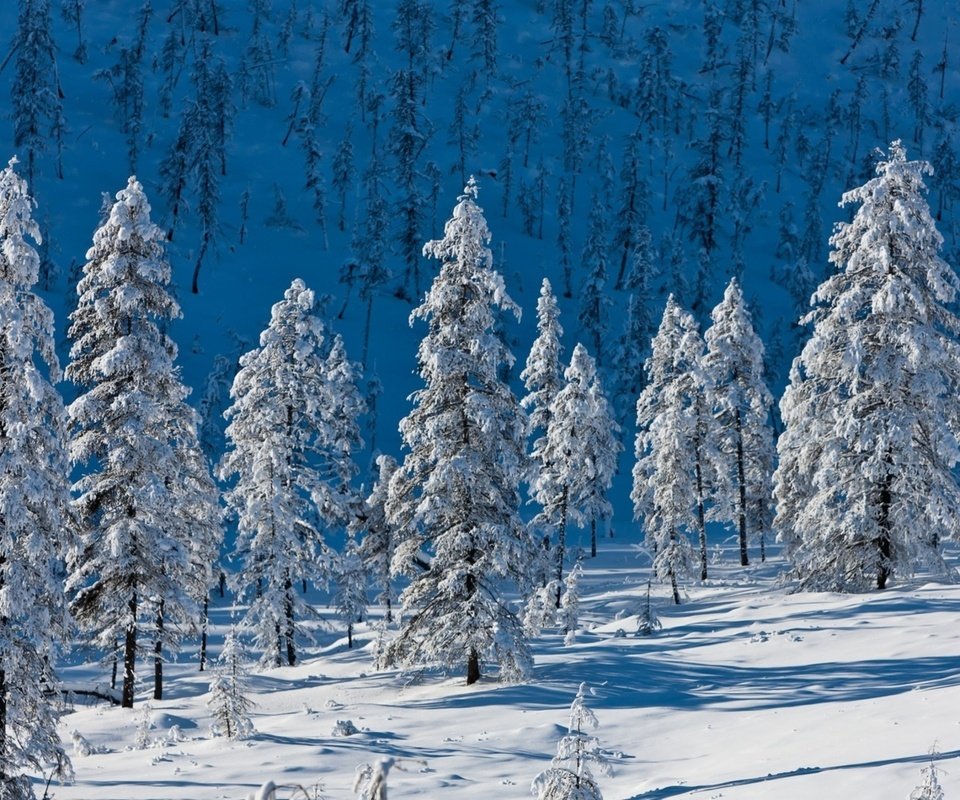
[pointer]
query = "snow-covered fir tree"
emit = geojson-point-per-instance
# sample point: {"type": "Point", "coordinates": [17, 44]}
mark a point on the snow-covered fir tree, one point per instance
{"type": "Point", "coordinates": [38, 525]}
{"type": "Point", "coordinates": [542, 375]}
{"type": "Point", "coordinates": [228, 702]}
{"type": "Point", "coordinates": [143, 489]}
{"type": "Point", "coordinates": [350, 577]}
{"type": "Point", "coordinates": [570, 776]}
{"type": "Point", "coordinates": [290, 434]}
{"type": "Point", "coordinates": [455, 497]}
{"type": "Point", "coordinates": [570, 604]}
{"type": "Point", "coordinates": [866, 486]}
{"type": "Point", "coordinates": [668, 477]}
{"type": "Point", "coordinates": [741, 403]}
{"type": "Point", "coordinates": [377, 536]}
{"type": "Point", "coordinates": [578, 456]}
{"type": "Point", "coordinates": [594, 302]}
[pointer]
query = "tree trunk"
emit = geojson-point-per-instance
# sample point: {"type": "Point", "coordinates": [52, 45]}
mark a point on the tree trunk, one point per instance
{"type": "Point", "coordinates": [288, 611]}
{"type": "Point", "coordinates": [115, 660]}
{"type": "Point", "coordinates": [473, 667]}
{"type": "Point", "coordinates": [158, 656]}
{"type": "Point", "coordinates": [130, 656]}
{"type": "Point", "coordinates": [561, 543]}
{"type": "Point", "coordinates": [741, 477]}
{"type": "Point", "coordinates": [3, 727]}
{"type": "Point", "coordinates": [673, 575]}
{"type": "Point", "coordinates": [593, 538]}
{"type": "Point", "coordinates": [701, 520]}
{"type": "Point", "coordinates": [204, 625]}
{"type": "Point", "coordinates": [350, 635]}
{"type": "Point", "coordinates": [884, 542]}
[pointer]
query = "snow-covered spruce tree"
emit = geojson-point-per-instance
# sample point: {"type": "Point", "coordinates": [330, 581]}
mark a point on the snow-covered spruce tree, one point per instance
{"type": "Point", "coordinates": [228, 702]}
{"type": "Point", "coordinates": [570, 604]}
{"type": "Point", "coordinates": [377, 536]}
{"type": "Point", "coordinates": [455, 497]}
{"type": "Point", "coordinates": [741, 402]}
{"type": "Point", "coordinates": [351, 580]}
{"type": "Point", "coordinates": [865, 488]}
{"type": "Point", "coordinates": [143, 489]}
{"type": "Point", "coordinates": [578, 454]}
{"type": "Point", "coordinates": [290, 432]}
{"type": "Point", "coordinates": [38, 525]}
{"type": "Point", "coordinates": [669, 478]}
{"type": "Point", "coordinates": [570, 776]}
{"type": "Point", "coordinates": [542, 375]}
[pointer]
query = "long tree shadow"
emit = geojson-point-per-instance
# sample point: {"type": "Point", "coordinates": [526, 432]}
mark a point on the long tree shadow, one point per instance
{"type": "Point", "coordinates": [672, 791]}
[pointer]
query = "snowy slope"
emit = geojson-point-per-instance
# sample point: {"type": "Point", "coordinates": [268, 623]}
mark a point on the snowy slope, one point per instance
{"type": "Point", "coordinates": [747, 692]}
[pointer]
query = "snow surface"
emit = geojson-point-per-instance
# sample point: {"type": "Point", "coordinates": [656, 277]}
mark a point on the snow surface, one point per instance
{"type": "Point", "coordinates": [747, 692]}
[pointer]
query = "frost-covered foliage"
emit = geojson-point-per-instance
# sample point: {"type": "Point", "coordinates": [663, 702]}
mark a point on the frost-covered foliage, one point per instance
{"type": "Point", "coordinates": [371, 779]}
{"type": "Point", "coordinates": [866, 488]}
{"type": "Point", "coordinates": [38, 526]}
{"type": "Point", "coordinates": [542, 375]}
{"type": "Point", "coordinates": [929, 788]}
{"type": "Point", "coordinates": [228, 703]}
{"type": "Point", "coordinates": [293, 429]}
{"type": "Point", "coordinates": [350, 577]}
{"type": "Point", "coordinates": [455, 497]}
{"type": "Point", "coordinates": [147, 502]}
{"type": "Point", "coordinates": [570, 604]}
{"type": "Point", "coordinates": [377, 542]}
{"type": "Point", "coordinates": [578, 455]}
{"type": "Point", "coordinates": [672, 446]}
{"type": "Point", "coordinates": [741, 404]}
{"type": "Point", "coordinates": [570, 776]}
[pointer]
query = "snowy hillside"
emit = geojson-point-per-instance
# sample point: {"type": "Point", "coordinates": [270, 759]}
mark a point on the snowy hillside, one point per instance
{"type": "Point", "coordinates": [311, 152]}
{"type": "Point", "coordinates": [747, 692]}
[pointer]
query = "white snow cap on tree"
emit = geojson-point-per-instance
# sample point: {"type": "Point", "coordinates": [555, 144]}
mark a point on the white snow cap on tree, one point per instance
{"type": "Point", "coordinates": [455, 497]}
{"type": "Point", "coordinates": [866, 486]}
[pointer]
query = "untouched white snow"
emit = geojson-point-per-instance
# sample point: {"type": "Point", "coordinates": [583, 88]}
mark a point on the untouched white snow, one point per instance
{"type": "Point", "coordinates": [747, 692]}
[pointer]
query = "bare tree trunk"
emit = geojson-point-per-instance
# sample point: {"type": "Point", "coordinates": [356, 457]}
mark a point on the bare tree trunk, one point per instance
{"type": "Point", "coordinates": [204, 626]}
{"type": "Point", "coordinates": [130, 656]}
{"type": "Point", "coordinates": [473, 667]}
{"type": "Point", "coordinates": [158, 656]}
{"type": "Point", "coordinates": [561, 543]}
{"type": "Point", "coordinates": [288, 610]}
{"type": "Point", "coordinates": [741, 477]}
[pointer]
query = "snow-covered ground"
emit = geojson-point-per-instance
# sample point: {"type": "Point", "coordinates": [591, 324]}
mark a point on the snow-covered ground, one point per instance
{"type": "Point", "coordinates": [747, 692]}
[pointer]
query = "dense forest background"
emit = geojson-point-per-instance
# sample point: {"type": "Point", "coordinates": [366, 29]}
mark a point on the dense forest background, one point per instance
{"type": "Point", "coordinates": [621, 149]}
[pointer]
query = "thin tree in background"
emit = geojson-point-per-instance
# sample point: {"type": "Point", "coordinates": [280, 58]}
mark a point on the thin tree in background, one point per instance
{"type": "Point", "coordinates": [742, 404]}
{"type": "Point", "coordinates": [866, 485]}
{"type": "Point", "coordinates": [35, 92]}
{"type": "Point", "coordinates": [669, 484]}
{"type": "Point", "coordinates": [228, 703]}
{"type": "Point", "coordinates": [38, 526]}
{"type": "Point", "coordinates": [377, 540]}
{"type": "Point", "coordinates": [455, 496]}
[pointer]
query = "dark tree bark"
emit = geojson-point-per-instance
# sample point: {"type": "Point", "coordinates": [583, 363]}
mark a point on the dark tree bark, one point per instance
{"type": "Point", "coordinates": [130, 656]}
